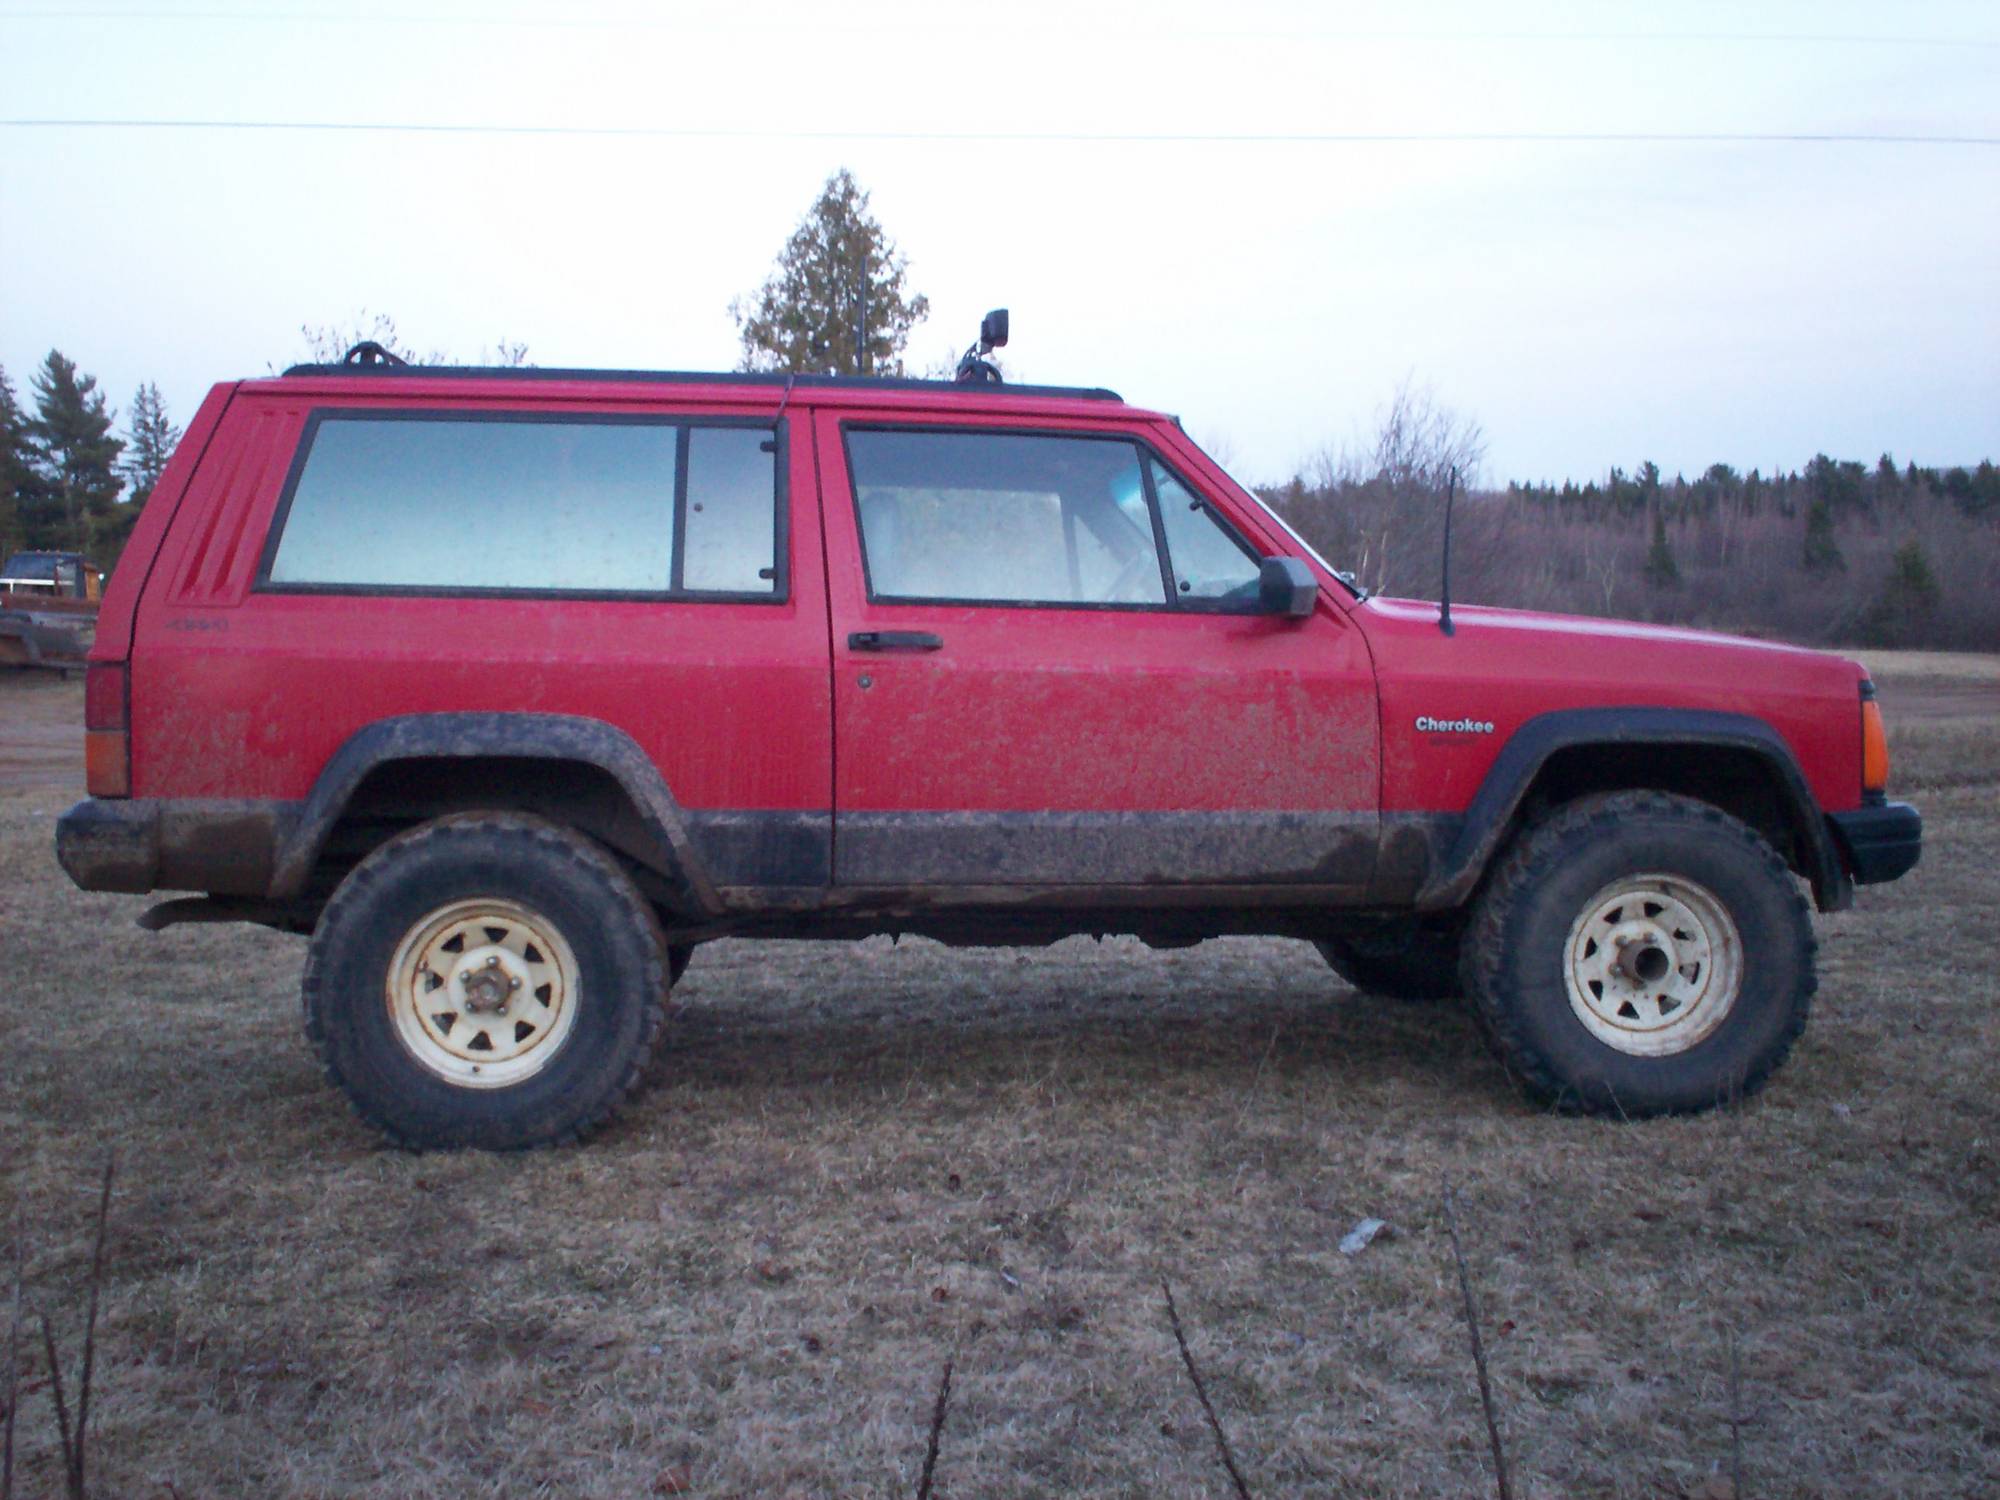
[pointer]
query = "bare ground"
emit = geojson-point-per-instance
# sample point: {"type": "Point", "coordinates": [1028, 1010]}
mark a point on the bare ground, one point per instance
{"type": "Point", "coordinates": [865, 1159]}
{"type": "Point", "coordinates": [41, 732]}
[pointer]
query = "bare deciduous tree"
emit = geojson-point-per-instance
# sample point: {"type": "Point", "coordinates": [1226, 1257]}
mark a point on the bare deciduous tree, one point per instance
{"type": "Point", "coordinates": [1391, 486]}
{"type": "Point", "coordinates": [328, 343]}
{"type": "Point", "coordinates": [1419, 441]}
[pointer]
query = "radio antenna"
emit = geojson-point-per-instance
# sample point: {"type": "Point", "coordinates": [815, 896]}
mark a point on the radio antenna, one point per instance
{"type": "Point", "coordinates": [1444, 588]}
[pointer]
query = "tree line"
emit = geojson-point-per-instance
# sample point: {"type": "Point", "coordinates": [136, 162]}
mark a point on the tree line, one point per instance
{"type": "Point", "coordinates": [68, 481]}
{"type": "Point", "coordinates": [1836, 553]}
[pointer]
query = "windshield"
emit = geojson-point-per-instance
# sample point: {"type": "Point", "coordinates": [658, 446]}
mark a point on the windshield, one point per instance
{"type": "Point", "coordinates": [1347, 580]}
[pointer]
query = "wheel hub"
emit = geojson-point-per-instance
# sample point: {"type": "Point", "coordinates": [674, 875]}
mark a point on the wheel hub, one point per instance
{"type": "Point", "coordinates": [489, 978]}
{"type": "Point", "coordinates": [1653, 964]}
{"type": "Point", "coordinates": [483, 992]}
{"type": "Point", "coordinates": [1643, 960]}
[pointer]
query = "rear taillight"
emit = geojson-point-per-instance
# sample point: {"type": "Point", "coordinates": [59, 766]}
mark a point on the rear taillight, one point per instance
{"type": "Point", "coordinates": [1874, 742]}
{"type": "Point", "coordinates": [107, 726]}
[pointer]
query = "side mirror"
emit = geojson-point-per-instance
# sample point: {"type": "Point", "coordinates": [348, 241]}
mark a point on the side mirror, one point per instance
{"type": "Point", "coordinates": [1285, 586]}
{"type": "Point", "coordinates": [993, 329]}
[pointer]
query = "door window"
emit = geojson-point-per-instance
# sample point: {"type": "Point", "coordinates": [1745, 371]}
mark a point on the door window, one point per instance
{"type": "Point", "coordinates": [1024, 518]}
{"type": "Point", "coordinates": [975, 517]}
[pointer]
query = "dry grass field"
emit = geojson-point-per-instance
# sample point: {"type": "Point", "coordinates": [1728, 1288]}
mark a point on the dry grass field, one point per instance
{"type": "Point", "coordinates": [864, 1160]}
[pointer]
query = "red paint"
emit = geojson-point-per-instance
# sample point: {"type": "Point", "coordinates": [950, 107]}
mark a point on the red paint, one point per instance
{"type": "Point", "coordinates": [1505, 666]}
{"type": "Point", "coordinates": [236, 693]}
{"type": "Point", "coordinates": [1089, 710]}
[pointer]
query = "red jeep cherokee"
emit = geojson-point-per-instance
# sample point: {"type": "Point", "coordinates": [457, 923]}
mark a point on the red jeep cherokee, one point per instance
{"type": "Point", "coordinates": [511, 686]}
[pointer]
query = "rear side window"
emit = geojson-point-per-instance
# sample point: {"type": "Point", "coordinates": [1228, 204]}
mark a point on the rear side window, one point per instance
{"type": "Point", "coordinates": [729, 519]}
{"type": "Point", "coordinates": [523, 503]}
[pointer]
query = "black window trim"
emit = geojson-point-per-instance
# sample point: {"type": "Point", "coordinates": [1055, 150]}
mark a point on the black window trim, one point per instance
{"type": "Point", "coordinates": [684, 423]}
{"type": "Point", "coordinates": [1176, 603]}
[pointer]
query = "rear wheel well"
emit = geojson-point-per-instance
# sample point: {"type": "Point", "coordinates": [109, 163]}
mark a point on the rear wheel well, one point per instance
{"type": "Point", "coordinates": [1739, 781]}
{"type": "Point", "coordinates": [397, 795]}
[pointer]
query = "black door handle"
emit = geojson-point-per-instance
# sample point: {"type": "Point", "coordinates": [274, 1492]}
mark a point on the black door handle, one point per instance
{"type": "Point", "coordinates": [894, 640]}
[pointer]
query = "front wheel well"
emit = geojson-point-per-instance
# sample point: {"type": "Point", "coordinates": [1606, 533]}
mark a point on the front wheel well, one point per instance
{"type": "Point", "coordinates": [1739, 781]}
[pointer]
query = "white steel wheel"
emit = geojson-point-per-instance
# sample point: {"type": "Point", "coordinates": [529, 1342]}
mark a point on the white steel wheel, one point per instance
{"type": "Point", "coordinates": [483, 992]}
{"type": "Point", "coordinates": [1653, 964]}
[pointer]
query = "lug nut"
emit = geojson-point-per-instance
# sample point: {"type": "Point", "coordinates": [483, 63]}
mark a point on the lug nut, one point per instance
{"type": "Point", "coordinates": [492, 960]}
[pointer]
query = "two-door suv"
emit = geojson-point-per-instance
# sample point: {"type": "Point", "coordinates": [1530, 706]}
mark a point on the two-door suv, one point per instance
{"type": "Point", "coordinates": [512, 686]}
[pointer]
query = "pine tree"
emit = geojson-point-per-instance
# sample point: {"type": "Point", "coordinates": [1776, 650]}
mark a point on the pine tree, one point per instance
{"type": "Point", "coordinates": [74, 451]}
{"type": "Point", "coordinates": [1822, 551]}
{"type": "Point", "coordinates": [1661, 571]}
{"type": "Point", "coordinates": [150, 440]}
{"type": "Point", "coordinates": [804, 317]}
{"type": "Point", "coordinates": [1985, 490]}
{"type": "Point", "coordinates": [18, 481]}
{"type": "Point", "coordinates": [1835, 485]}
{"type": "Point", "coordinates": [1902, 612]}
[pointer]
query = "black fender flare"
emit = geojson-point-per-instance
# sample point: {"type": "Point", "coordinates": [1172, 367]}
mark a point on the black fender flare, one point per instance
{"type": "Point", "coordinates": [524, 736]}
{"type": "Point", "coordinates": [1521, 759]}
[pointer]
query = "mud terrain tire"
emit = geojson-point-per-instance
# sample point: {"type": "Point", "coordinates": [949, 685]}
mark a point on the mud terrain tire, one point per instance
{"type": "Point", "coordinates": [486, 980]}
{"type": "Point", "coordinates": [1637, 953]}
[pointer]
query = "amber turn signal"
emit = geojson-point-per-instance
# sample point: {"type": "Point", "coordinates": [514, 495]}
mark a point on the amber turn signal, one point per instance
{"type": "Point", "coordinates": [107, 763]}
{"type": "Point", "coordinates": [1874, 747]}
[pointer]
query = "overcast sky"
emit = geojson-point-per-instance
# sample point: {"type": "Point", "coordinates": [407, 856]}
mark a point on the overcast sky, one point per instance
{"type": "Point", "coordinates": [1591, 302]}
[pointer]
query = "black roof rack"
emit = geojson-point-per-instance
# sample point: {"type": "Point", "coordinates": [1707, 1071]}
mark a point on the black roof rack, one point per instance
{"type": "Point", "coordinates": [738, 377]}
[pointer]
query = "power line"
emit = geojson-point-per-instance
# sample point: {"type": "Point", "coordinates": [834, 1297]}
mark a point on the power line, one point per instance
{"type": "Point", "coordinates": [1042, 137]}
{"type": "Point", "coordinates": [640, 22]}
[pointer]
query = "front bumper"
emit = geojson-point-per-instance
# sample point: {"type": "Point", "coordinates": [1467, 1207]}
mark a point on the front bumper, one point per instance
{"type": "Point", "coordinates": [1880, 842]}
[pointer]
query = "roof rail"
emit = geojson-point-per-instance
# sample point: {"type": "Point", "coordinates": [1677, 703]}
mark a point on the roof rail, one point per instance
{"type": "Point", "coordinates": [352, 366]}
{"type": "Point", "coordinates": [368, 352]}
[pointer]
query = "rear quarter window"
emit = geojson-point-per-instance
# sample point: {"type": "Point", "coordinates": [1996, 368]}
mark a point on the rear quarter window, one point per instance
{"type": "Point", "coordinates": [527, 503]}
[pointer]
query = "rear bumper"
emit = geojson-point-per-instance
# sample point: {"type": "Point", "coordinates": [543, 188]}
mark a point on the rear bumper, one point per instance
{"type": "Point", "coordinates": [110, 846]}
{"type": "Point", "coordinates": [224, 847]}
{"type": "Point", "coordinates": [1881, 842]}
